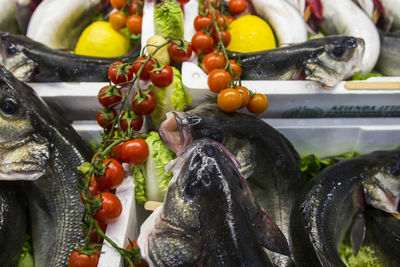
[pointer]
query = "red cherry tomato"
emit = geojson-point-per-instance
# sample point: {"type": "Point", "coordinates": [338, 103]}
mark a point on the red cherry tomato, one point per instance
{"type": "Point", "coordinates": [146, 106]}
{"type": "Point", "coordinates": [179, 55]}
{"type": "Point", "coordinates": [213, 61]}
{"type": "Point", "coordinates": [202, 22]}
{"type": "Point", "coordinates": [134, 24]}
{"type": "Point", "coordinates": [225, 37]}
{"type": "Point", "coordinates": [77, 259]}
{"type": "Point", "coordinates": [237, 6]}
{"type": "Point", "coordinates": [145, 74]}
{"type": "Point", "coordinates": [245, 95]}
{"type": "Point", "coordinates": [202, 43]}
{"type": "Point", "coordinates": [112, 177]}
{"type": "Point", "coordinates": [162, 78]}
{"type": "Point", "coordinates": [93, 189]}
{"type": "Point", "coordinates": [237, 69]}
{"type": "Point", "coordinates": [109, 96]}
{"type": "Point", "coordinates": [117, 20]}
{"type": "Point", "coordinates": [116, 151]}
{"type": "Point", "coordinates": [229, 100]}
{"type": "Point", "coordinates": [135, 151]}
{"type": "Point", "coordinates": [94, 237]}
{"type": "Point", "coordinates": [135, 119]}
{"type": "Point", "coordinates": [135, 8]}
{"type": "Point", "coordinates": [110, 210]}
{"type": "Point", "coordinates": [142, 263]}
{"type": "Point", "coordinates": [258, 104]}
{"type": "Point", "coordinates": [117, 4]}
{"type": "Point", "coordinates": [184, 1]}
{"type": "Point", "coordinates": [105, 117]}
{"type": "Point", "coordinates": [119, 73]}
{"type": "Point", "coordinates": [218, 79]}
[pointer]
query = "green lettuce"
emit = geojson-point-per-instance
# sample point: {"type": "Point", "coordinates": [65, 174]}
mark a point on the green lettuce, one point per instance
{"type": "Point", "coordinates": [358, 77]}
{"type": "Point", "coordinates": [151, 180]}
{"type": "Point", "coordinates": [170, 98]}
{"type": "Point", "coordinates": [26, 259]}
{"type": "Point", "coordinates": [168, 19]}
{"type": "Point", "coordinates": [365, 256]}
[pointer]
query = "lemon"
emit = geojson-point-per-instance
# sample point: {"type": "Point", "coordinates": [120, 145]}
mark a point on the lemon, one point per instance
{"type": "Point", "coordinates": [99, 39]}
{"type": "Point", "coordinates": [250, 34]}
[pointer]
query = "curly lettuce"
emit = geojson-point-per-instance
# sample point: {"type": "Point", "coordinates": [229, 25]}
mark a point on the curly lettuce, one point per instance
{"type": "Point", "coordinates": [168, 19]}
{"type": "Point", "coordinates": [170, 98]}
{"type": "Point", "coordinates": [365, 256]}
{"type": "Point", "coordinates": [26, 259]}
{"type": "Point", "coordinates": [151, 180]}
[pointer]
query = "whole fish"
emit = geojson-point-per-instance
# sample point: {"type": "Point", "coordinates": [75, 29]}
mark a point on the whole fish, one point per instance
{"type": "Point", "coordinates": [384, 234]}
{"type": "Point", "coordinates": [389, 57]}
{"type": "Point", "coordinates": [12, 224]}
{"type": "Point", "coordinates": [58, 23]}
{"type": "Point", "coordinates": [336, 202]}
{"type": "Point", "coordinates": [8, 16]}
{"type": "Point", "coordinates": [326, 60]}
{"type": "Point", "coordinates": [40, 146]}
{"type": "Point", "coordinates": [288, 25]}
{"type": "Point", "coordinates": [32, 61]}
{"type": "Point", "coordinates": [209, 216]}
{"type": "Point", "coordinates": [346, 18]}
{"type": "Point", "coordinates": [268, 160]}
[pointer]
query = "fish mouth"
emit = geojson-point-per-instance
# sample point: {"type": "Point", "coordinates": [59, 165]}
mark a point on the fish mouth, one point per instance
{"type": "Point", "coordinates": [175, 131]}
{"type": "Point", "coordinates": [24, 159]}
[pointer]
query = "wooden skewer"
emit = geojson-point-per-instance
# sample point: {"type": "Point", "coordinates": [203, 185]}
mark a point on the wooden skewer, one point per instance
{"type": "Point", "coordinates": [152, 205]}
{"type": "Point", "coordinates": [354, 85]}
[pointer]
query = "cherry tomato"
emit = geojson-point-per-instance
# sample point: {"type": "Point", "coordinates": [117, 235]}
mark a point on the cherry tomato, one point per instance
{"type": "Point", "coordinates": [237, 6]}
{"type": "Point", "coordinates": [213, 61]}
{"type": "Point", "coordinates": [135, 151]}
{"type": "Point", "coordinates": [94, 237]}
{"type": "Point", "coordinates": [77, 259]}
{"type": "Point", "coordinates": [110, 210]}
{"type": "Point", "coordinates": [135, 8]}
{"type": "Point", "coordinates": [245, 95]}
{"type": "Point", "coordinates": [225, 36]}
{"type": "Point", "coordinates": [202, 22]}
{"type": "Point", "coordinates": [229, 100]}
{"type": "Point", "coordinates": [117, 4]}
{"type": "Point", "coordinates": [116, 151]}
{"type": "Point", "coordinates": [117, 20]}
{"type": "Point", "coordinates": [202, 43]}
{"type": "Point", "coordinates": [222, 21]}
{"type": "Point", "coordinates": [258, 104]}
{"type": "Point", "coordinates": [145, 74]}
{"type": "Point", "coordinates": [163, 77]}
{"type": "Point", "coordinates": [214, 3]}
{"type": "Point", "coordinates": [93, 189]}
{"type": "Point", "coordinates": [135, 119]}
{"type": "Point", "coordinates": [105, 117]}
{"type": "Point", "coordinates": [184, 1]}
{"type": "Point", "coordinates": [218, 79]}
{"type": "Point", "coordinates": [119, 73]}
{"type": "Point", "coordinates": [134, 24]}
{"type": "Point", "coordinates": [109, 96]}
{"type": "Point", "coordinates": [143, 262]}
{"type": "Point", "coordinates": [230, 19]}
{"type": "Point", "coordinates": [179, 55]}
{"type": "Point", "coordinates": [237, 69]}
{"type": "Point", "coordinates": [112, 177]}
{"type": "Point", "coordinates": [146, 106]}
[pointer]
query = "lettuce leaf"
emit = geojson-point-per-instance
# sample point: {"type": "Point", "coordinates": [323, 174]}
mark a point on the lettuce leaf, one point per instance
{"type": "Point", "coordinates": [365, 256]}
{"type": "Point", "coordinates": [170, 98]}
{"type": "Point", "coordinates": [168, 19]}
{"type": "Point", "coordinates": [140, 183]}
{"type": "Point", "coordinates": [26, 259]}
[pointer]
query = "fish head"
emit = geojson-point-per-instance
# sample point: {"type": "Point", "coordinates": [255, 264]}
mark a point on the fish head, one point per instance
{"type": "Point", "coordinates": [339, 57]}
{"type": "Point", "coordinates": [23, 153]}
{"type": "Point", "coordinates": [382, 189]}
{"type": "Point", "coordinates": [13, 57]}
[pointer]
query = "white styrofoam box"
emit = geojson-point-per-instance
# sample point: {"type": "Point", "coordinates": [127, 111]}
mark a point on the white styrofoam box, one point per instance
{"type": "Point", "coordinates": [296, 98]}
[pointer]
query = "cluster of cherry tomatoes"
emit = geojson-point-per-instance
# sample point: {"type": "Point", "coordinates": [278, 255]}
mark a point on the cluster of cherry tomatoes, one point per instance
{"type": "Point", "coordinates": [210, 40]}
{"type": "Point", "coordinates": [129, 15]}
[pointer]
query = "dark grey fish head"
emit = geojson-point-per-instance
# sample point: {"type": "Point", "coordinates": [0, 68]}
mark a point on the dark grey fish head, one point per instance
{"type": "Point", "coordinates": [13, 57]}
{"type": "Point", "coordinates": [339, 59]}
{"type": "Point", "coordinates": [23, 153]}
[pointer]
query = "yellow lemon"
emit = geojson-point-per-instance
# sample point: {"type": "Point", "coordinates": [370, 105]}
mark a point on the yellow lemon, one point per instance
{"type": "Point", "coordinates": [99, 39]}
{"type": "Point", "coordinates": [250, 34]}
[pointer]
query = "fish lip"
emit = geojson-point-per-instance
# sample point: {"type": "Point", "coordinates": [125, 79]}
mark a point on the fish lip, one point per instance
{"type": "Point", "coordinates": [175, 131]}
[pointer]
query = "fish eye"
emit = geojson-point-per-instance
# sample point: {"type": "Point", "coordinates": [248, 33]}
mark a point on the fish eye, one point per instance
{"type": "Point", "coordinates": [216, 137]}
{"type": "Point", "coordinates": [9, 106]}
{"type": "Point", "coordinates": [11, 49]}
{"type": "Point", "coordinates": [337, 52]}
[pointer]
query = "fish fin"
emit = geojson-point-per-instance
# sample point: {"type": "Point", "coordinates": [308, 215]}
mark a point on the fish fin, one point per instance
{"type": "Point", "coordinates": [47, 76]}
{"type": "Point", "coordinates": [269, 235]}
{"type": "Point", "coordinates": [357, 234]}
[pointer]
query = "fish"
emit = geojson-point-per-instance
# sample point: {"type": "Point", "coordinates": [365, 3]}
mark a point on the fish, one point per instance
{"type": "Point", "coordinates": [346, 18]}
{"type": "Point", "coordinates": [46, 168]}
{"type": "Point", "coordinates": [389, 57]}
{"type": "Point", "coordinates": [268, 160]}
{"type": "Point", "coordinates": [287, 23]}
{"type": "Point", "coordinates": [8, 16]}
{"type": "Point", "coordinates": [335, 201]}
{"type": "Point", "coordinates": [209, 216]}
{"type": "Point", "coordinates": [58, 24]}
{"type": "Point", "coordinates": [384, 235]}
{"type": "Point", "coordinates": [12, 224]}
{"type": "Point", "coordinates": [32, 61]}
{"type": "Point", "coordinates": [326, 60]}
